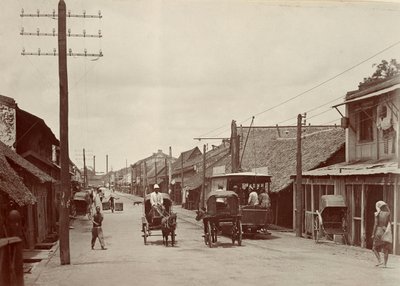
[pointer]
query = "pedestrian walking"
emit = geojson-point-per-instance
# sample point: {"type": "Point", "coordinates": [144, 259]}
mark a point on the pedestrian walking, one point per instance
{"type": "Point", "coordinates": [382, 233]}
{"type": "Point", "coordinates": [97, 231]}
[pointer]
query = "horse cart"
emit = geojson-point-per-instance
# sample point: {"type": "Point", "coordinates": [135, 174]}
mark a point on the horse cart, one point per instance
{"type": "Point", "coordinates": [155, 221]}
{"type": "Point", "coordinates": [222, 209]}
{"type": "Point", "coordinates": [331, 219]}
{"type": "Point", "coordinates": [81, 204]}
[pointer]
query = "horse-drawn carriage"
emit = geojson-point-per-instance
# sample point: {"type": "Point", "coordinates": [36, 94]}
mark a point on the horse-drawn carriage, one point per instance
{"type": "Point", "coordinates": [331, 219]}
{"type": "Point", "coordinates": [222, 209]}
{"type": "Point", "coordinates": [164, 221]}
{"type": "Point", "coordinates": [81, 204]}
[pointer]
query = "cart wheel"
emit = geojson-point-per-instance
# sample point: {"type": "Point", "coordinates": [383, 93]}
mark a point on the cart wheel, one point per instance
{"type": "Point", "coordinates": [214, 233]}
{"type": "Point", "coordinates": [316, 229]}
{"type": "Point", "coordinates": [145, 233]}
{"type": "Point", "coordinates": [209, 236]}
{"type": "Point", "coordinates": [173, 238]}
{"type": "Point", "coordinates": [234, 232]}
{"type": "Point", "coordinates": [240, 233]}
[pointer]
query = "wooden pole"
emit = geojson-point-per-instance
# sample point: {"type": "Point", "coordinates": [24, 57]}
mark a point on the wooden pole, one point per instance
{"type": "Point", "coordinates": [107, 175]}
{"type": "Point", "coordinates": [183, 195]}
{"type": "Point", "coordinates": [166, 175]}
{"type": "Point", "coordinates": [94, 165]}
{"type": "Point", "coordinates": [299, 187]}
{"type": "Point", "coordinates": [170, 173]}
{"type": "Point", "coordinates": [155, 171]}
{"type": "Point", "coordinates": [203, 186]}
{"type": "Point", "coordinates": [84, 170]}
{"type": "Point", "coordinates": [64, 156]}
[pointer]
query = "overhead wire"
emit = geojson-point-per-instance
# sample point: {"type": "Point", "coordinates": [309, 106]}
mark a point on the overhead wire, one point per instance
{"type": "Point", "coordinates": [314, 87]}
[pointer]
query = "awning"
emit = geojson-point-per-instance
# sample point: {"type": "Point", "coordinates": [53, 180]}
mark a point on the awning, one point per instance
{"type": "Point", "coordinates": [356, 169]}
{"type": "Point", "coordinates": [373, 94]}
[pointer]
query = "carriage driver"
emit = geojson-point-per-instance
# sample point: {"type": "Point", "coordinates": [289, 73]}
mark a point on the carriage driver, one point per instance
{"type": "Point", "coordinates": [156, 201]}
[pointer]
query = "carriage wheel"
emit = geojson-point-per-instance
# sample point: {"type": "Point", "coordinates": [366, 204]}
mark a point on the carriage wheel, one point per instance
{"type": "Point", "coordinates": [234, 232]}
{"type": "Point", "coordinates": [240, 232]}
{"type": "Point", "coordinates": [214, 233]}
{"type": "Point", "coordinates": [316, 229]}
{"type": "Point", "coordinates": [173, 238]}
{"type": "Point", "coordinates": [208, 234]}
{"type": "Point", "coordinates": [145, 233]}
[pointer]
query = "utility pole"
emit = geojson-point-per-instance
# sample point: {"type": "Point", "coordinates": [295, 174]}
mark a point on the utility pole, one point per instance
{"type": "Point", "coordinates": [170, 173]}
{"type": "Point", "coordinates": [234, 148]}
{"type": "Point", "coordinates": [182, 191]}
{"type": "Point", "coordinates": [203, 186]}
{"type": "Point", "coordinates": [107, 175]}
{"type": "Point", "coordinates": [63, 86]}
{"type": "Point", "coordinates": [166, 174]}
{"type": "Point", "coordinates": [155, 170]}
{"type": "Point", "coordinates": [299, 186]}
{"type": "Point", "coordinates": [64, 153]}
{"type": "Point", "coordinates": [94, 165]}
{"type": "Point", "coordinates": [85, 178]}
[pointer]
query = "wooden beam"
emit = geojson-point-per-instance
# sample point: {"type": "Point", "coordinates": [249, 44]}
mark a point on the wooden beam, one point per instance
{"type": "Point", "coordinates": [363, 234]}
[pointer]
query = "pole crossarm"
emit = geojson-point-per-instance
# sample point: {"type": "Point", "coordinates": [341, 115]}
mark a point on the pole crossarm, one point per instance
{"type": "Point", "coordinates": [54, 53]}
{"type": "Point", "coordinates": [55, 15]}
{"type": "Point", "coordinates": [54, 34]}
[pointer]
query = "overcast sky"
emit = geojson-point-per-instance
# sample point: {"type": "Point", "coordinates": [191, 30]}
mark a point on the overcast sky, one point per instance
{"type": "Point", "coordinates": [175, 70]}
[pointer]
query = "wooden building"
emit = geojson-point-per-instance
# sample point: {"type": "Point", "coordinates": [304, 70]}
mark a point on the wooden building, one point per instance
{"type": "Point", "coordinates": [371, 170]}
{"type": "Point", "coordinates": [24, 187]}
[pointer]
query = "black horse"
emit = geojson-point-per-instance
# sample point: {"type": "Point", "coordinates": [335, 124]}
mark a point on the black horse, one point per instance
{"type": "Point", "coordinates": [168, 226]}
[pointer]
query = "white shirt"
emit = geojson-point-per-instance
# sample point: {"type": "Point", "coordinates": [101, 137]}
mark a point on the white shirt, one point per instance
{"type": "Point", "coordinates": [156, 199]}
{"type": "Point", "coordinates": [253, 198]}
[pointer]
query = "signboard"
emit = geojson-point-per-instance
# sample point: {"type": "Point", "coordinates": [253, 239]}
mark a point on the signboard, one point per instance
{"type": "Point", "coordinates": [219, 170]}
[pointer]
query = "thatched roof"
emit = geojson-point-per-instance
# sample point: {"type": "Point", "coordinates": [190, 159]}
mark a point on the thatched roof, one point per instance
{"type": "Point", "coordinates": [266, 149]}
{"type": "Point", "coordinates": [11, 183]}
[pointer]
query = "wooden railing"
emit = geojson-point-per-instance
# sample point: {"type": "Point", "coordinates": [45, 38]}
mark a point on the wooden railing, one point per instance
{"type": "Point", "coordinates": [11, 261]}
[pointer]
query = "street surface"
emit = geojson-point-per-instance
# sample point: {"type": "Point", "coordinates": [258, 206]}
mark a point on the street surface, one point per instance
{"type": "Point", "coordinates": [278, 259]}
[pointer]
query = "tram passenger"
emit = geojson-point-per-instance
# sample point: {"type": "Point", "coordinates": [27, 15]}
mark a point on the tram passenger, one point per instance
{"type": "Point", "coordinates": [253, 197]}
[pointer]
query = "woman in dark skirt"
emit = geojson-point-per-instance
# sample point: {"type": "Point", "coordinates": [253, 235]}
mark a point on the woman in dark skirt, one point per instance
{"type": "Point", "coordinates": [382, 218]}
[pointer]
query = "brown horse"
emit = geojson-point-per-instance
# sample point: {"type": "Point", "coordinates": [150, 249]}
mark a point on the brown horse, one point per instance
{"type": "Point", "coordinates": [168, 226]}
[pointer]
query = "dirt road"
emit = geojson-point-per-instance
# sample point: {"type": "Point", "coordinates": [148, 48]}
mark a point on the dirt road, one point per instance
{"type": "Point", "coordinates": [278, 259]}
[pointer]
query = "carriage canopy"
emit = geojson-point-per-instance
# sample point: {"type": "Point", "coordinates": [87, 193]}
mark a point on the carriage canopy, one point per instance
{"type": "Point", "coordinates": [332, 201]}
{"type": "Point", "coordinates": [222, 203]}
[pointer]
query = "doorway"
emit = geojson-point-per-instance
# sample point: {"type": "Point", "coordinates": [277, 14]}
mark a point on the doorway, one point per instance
{"type": "Point", "coordinates": [373, 194]}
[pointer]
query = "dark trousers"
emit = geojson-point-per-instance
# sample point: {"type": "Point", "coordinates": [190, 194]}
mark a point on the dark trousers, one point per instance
{"type": "Point", "coordinates": [97, 232]}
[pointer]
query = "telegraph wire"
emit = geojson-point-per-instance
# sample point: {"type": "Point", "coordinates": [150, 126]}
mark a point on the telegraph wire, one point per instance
{"type": "Point", "coordinates": [314, 87]}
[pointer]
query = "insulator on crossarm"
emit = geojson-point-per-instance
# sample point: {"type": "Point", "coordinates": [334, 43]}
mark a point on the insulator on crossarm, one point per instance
{"type": "Point", "coordinates": [54, 13]}
{"type": "Point", "coordinates": [39, 52]}
{"type": "Point", "coordinates": [54, 31]}
{"type": "Point", "coordinates": [70, 52]}
{"type": "Point", "coordinates": [84, 33]}
{"type": "Point", "coordinates": [38, 12]}
{"type": "Point", "coordinates": [69, 13]}
{"type": "Point", "coordinates": [85, 51]}
{"type": "Point", "coordinates": [99, 33]}
{"type": "Point", "coordinates": [69, 32]}
{"type": "Point", "coordinates": [100, 53]}
{"type": "Point", "coordinates": [38, 31]}
{"type": "Point", "coordinates": [22, 12]}
{"type": "Point", "coordinates": [100, 14]}
{"type": "Point", "coordinates": [84, 13]}
{"type": "Point", "coordinates": [23, 51]}
{"type": "Point", "coordinates": [22, 30]}
{"type": "Point", "coordinates": [55, 51]}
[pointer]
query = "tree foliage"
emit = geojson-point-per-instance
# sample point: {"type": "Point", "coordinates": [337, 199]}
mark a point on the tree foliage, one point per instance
{"type": "Point", "coordinates": [383, 71]}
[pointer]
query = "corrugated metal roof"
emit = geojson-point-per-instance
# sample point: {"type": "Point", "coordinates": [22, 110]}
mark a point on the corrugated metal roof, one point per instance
{"type": "Point", "coordinates": [356, 169]}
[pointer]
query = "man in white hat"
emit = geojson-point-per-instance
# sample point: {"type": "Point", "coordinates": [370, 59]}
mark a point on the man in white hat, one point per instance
{"type": "Point", "coordinates": [156, 198]}
{"type": "Point", "coordinates": [156, 201]}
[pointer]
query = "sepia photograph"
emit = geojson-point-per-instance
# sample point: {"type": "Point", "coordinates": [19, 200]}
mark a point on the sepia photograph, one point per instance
{"type": "Point", "coordinates": [199, 142]}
